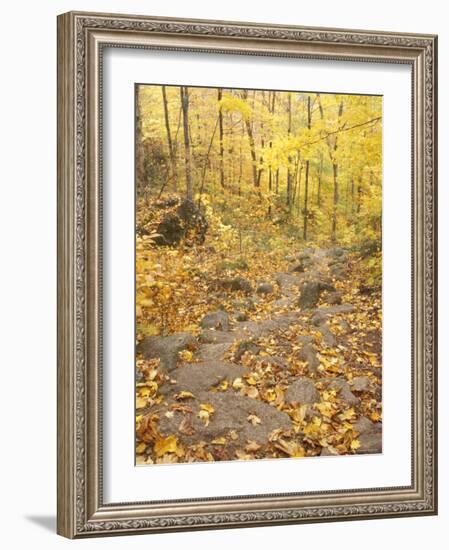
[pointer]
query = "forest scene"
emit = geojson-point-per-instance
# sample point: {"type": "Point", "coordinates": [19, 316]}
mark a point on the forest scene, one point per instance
{"type": "Point", "coordinates": [258, 274]}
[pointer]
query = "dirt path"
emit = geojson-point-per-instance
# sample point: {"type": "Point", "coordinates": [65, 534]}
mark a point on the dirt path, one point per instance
{"type": "Point", "coordinates": [298, 379]}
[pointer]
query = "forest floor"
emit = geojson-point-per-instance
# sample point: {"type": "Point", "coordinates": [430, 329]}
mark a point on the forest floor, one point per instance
{"type": "Point", "coordinates": [287, 366]}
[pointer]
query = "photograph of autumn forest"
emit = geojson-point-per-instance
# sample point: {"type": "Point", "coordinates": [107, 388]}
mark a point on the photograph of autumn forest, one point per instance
{"type": "Point", "coordinates": [258, 291]}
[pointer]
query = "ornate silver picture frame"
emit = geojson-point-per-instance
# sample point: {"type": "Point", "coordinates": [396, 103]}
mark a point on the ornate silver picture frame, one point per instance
{"type": "Point", "coordinates": [82, 510]}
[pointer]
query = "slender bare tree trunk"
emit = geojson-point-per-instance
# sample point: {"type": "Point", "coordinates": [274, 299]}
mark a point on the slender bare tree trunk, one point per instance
{"type": "Point", "coordinates": [252, 144]}
{"type": "Point", "coordinates": [220, 133]}
{"type": "Point", "coordinates": [352, 195]}
{"type": "Point", "coordinates": [306, 185]}
{"type": "Point", "coordinates": [171, 149]}
{"type": "Point", "coordinates": [289, 159]}
{"type": "Point", "coordinates": [359, 196]}
{"type": "Point", "coordinates": [185, 119]}
{"type": "Point", "coordinates": [271, 107]}
{"type": "Point", "coordinates": [320, 176]}
{"type": "Point", "coordinates": [140, 153]}
{"type": "Point", "coordinates": [332, 151]}
{"type": "Point", "coordinates": [335, 202]}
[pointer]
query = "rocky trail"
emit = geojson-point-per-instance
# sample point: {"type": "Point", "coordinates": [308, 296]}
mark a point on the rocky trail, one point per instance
{"type": "Point", "coordinates": [293, 369]}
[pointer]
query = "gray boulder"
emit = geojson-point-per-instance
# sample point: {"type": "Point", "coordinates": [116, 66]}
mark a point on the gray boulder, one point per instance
{"type": "Point", "coordinates": [231, 412]}
{"type": "Point", "coordinates": [248, 346]}
{"type": "Point", "coordinates": [187, 222]}
{"type": "Point", "coordinates": [361, 383]}
{"type": "Point", "coordinates": [327, 336]}
{"type": "Point", "coordinates": [297, 267]}
{"type": "Point", "coordinates": [213, 351]}
{"type": "Point", "coordinates": [364, 425]}
{"type": "Point", "coordinates": [318, 319]}
{"type": "Point", "coordinates": [304, 339]}
{"type": "Point", "coordinates": [240, 316]}
{"type": "Point", "coordinates": [286, 281]}
{"type": "Point", "coordinates": [200, 377]}
{"type": "Point", "coordinates": [339, 272]}
{"type": "Point", "coordinates": [334, 298]}
{"type": "Point", "coordinates": [236, 284]}
{"type": "Point", "coordinates": [311, 292]}
{"type": "Point", "coordinates": [166, 348]}
{"type": "Point", "coordinates": [336, 252]}
{"type": "Point", "coordinates": [218, 320]}
{"type": "Point", "coordinates": [264, 288]}
{"type": "Point", "coordinates": [370, 442]}
{"type": "Point", "coordinates": [302, 391]}
{"type": "Point", "coordinates": [332, 310]}
{"type": "Point", "coordinates": [212, 336]}
{"type": "Point", "coordinates": [370, 436]}
{"type": "Point", "coordinates": [308, 354]}
{"type": "Point", "coordinates": [343, 390]}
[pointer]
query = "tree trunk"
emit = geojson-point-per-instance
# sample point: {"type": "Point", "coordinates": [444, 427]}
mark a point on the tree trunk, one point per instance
{"type": "Point", "coordinates": [306, 184]}
{"type": "Point", "coordinates": [352, 195]}
{"type": "Point", "coordinates": [289, 159]}
{"type": "Point", "coordinates": [271, 106]}
{"type": "Point", "coordinates": [359, 196]}
{"type": "Point", "coordinates": [171, 149]}
{"type": "Point", "coordinates": [335, 173]}
{"type": "Point", "coordinates": [140, 153]}
{"type": "Point", "coordinates": [220, 130]}
{"type": "Point", "coordinates": [252, 145]}
{"type": "Point", "coordinates": [320, 176]}
{"type": "Point", "coordinates": [185, 120]}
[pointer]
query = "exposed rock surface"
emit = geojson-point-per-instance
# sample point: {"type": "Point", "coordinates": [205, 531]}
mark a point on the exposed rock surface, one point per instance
{"type": "Point", "coordinates": [200, 377]}
{"type": "Point", "coordinates": [264, 288]}
{"type": "Point", "coordinates": [311, 292]}
{"type": "Point", "coordinates": [218, 320]}
{"type": "Point", "coordinates": [302, 391]}
{"type": "Point", "coordinates": [218, 361]}
{"type": "Point", "coordinates": [231, 412]}
{"type": "Point", "coordinates": [166, 348]}
{"type": "Point", "coordinates": [236, 283]}
{"type": "Point", "coordinates": [186, 222]}
{"type": "Point", "coordinates": [343, 390]}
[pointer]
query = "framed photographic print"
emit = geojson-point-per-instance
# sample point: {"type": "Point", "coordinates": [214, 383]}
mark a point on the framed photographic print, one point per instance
{"type": "Point", "coordinates": [246, 276]}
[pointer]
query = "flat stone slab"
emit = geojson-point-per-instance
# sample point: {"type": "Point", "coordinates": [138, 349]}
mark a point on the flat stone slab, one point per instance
{"type": "Point", "coordinates": [343, 390]}
{"type": "Point", "coordinates": [370, 443]}
{"type": "Point", "coordinates": [332, 310]}
{"type": "Point", "coordinates": [166, 348]}
{"type": "Point", "coordinates": [212, 352]}
{"type": "Point", "coordinates": [218, 320]}
{"type": "Point", "coordinates": [200, 377]}
{"type": "Point", "coordinates": [302, 391]}
{"type": "Point", "coordinates": [231, 412]}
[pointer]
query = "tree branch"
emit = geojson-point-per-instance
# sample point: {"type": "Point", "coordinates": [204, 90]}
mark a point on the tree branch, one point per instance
{"type": "Point", "coordinates": [342, 130]}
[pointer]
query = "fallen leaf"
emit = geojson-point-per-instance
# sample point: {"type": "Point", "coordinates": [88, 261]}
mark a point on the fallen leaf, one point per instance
{"type": "Point", "coordinates": [254, 419]}
{"type": "Point", "coordinates": [204, 416]}
{"type": "Point", "coordinates": [348, 415]}
{"type": "Point", "coordinates": [183, 395]}
{"type": "Point", "coordinates": [186, 427]}
{"type": "Point", "coordinates": [291, 448]}
{"type": "Point", "coordinates": [206, 407]}
{"type": "Point", "coordinates": [164, 445]}
{"type": "Point", "coordinates": [252, 446]}
{"type": "Point", "coordinates": [141, 402]}
{"type": "Point", "coordinates": [185, 355]}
